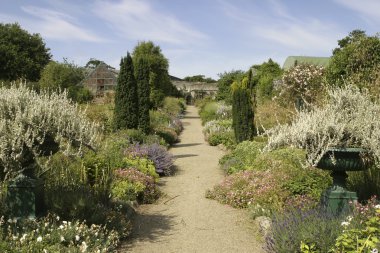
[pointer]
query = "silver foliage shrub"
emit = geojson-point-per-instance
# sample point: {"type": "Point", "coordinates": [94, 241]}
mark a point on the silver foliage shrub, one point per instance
{"type": "Point", "coordinates": [349, 119]}
{"type": "Point", "coordinates": [28, 118]}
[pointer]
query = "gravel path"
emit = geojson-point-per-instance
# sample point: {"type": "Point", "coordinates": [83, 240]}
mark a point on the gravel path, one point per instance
{"type": "Point", "coordinates": [184, 220]}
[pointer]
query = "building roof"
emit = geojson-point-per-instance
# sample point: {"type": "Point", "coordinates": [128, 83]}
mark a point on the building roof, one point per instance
{"type": "Point", "coordinates": [174, 78]}
{"type": "Point", "coordinates": [291, 61]}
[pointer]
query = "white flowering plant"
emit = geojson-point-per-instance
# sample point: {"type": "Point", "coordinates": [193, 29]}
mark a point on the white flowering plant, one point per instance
{"type": "Point", "coordinates": [34, 124]}
{"type": "Point", "coordinates": [348, 119]}
{"type": "Point", "coordinates": [50, 234]}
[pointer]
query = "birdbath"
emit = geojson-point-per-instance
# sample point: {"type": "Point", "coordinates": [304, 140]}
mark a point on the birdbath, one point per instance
{"type": "Point", "coordinates": [339, 160]}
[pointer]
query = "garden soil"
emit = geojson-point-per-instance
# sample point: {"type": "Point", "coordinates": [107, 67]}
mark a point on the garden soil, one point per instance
{"type": "Point", "coordinates": [183, 220]}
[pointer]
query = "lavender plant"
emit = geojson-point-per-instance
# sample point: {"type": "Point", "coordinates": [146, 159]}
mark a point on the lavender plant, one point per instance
{"type": "Point", "coordinates": [162, 159]}
{"type": "Point", "coordinates": [296, 227]}
{"type": "Point", "coordinates": [349, 118]}
{"type": "Point", "coordinates": [31, 122]}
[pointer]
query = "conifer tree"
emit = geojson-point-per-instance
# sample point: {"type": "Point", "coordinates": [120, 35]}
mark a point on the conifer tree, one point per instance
{"type": "Point", "coordinates": [126, 97]}
{"type": "Point", "coordinates": [242, 113]}
{"type": "Point", "coordinates": [143, 90]}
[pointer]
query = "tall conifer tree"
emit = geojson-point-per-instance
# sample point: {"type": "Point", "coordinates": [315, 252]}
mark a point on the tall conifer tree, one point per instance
{"type": "Point", "coordinates": [126, 97]}
{"type": "Point", "coordinates": [143, 90]}
{"type": "Point", "coordinates": [242, 113]}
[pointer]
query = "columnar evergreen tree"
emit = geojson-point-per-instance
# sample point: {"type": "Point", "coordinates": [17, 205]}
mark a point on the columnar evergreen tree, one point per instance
{"type": "Point", "coordinates": [126, 97]}
{"type": "Point", "coordinates": [143, 90]}
{"type": "Point", "coordinates": [242, 113]}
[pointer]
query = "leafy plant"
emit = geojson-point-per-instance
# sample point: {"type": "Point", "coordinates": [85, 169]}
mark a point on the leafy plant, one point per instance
{"type": "Point", "coordinates": [361, 229]}
{"type": "Point", "coordinates": [142, 164]}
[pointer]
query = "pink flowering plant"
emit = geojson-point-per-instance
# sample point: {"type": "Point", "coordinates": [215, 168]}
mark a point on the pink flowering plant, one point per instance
{"type": "Point", "coordinates": [270, 181]}
{"type": "Point", "coordinates": [304, 81]}
{"type": "Point", "coordinates": [246, 188]}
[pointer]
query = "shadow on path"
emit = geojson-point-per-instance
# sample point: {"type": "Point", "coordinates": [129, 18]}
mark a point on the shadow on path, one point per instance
{"type": "Point", "coordinates": [184, 156]}
{"type": "Point", "coordinates": [149, 228]}
{"type": "Point", "coordinates": [191, 117]}
{"type": "Point", "coordinates": [186, 145]}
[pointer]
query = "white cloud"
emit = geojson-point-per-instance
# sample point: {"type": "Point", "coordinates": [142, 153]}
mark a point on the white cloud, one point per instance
{"type": "Point", "coordinates": [276, 25]}
{"type": "Point", "coordinates": [56, 25]}
{"type": "Point", "coordinates": [366, 8]}
{"type": "Point", "coordinates": [136, 19]}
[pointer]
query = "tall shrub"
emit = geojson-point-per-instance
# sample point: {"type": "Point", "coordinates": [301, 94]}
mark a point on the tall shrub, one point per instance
{"type": "Point", "coordinates": [142, 75]}
{"type": "Point", "coordinates": [242, 113]}
{"type": "Point", "coordinates": [126, 99]}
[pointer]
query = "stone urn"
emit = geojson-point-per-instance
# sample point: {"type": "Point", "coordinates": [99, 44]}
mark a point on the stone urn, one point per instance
{"type": "Point", "coordinates": [336, 199]}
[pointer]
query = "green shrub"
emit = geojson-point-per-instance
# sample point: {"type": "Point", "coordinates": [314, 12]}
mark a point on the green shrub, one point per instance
{"type": "Point", "coordinates": [136, 135]}
{"type": "Point", "coordinates": [226, 138]}
{"type": "Point", "coordinates": [159, 119]}
{"type": "Point", "coordinates": [168, 134]}
{"type": "Point", "coordinates": [80, 94]}
{"type": "Point", "coordinates": [242, 157]}
{"type": "Point", "coordinates": [173, 106]}
{"type": "Point", "coordinates": [208, 112]}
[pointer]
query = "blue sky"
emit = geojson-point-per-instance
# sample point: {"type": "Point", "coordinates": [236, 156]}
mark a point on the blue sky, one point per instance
{"type": "Point", "coordinates": [197, 36]}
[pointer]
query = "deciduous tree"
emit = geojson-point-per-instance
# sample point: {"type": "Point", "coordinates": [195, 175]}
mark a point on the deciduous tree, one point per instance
{"type": "Point", "coordinates": [158, 65]}
{"type": "Point", "coordinates": [22, 55]}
